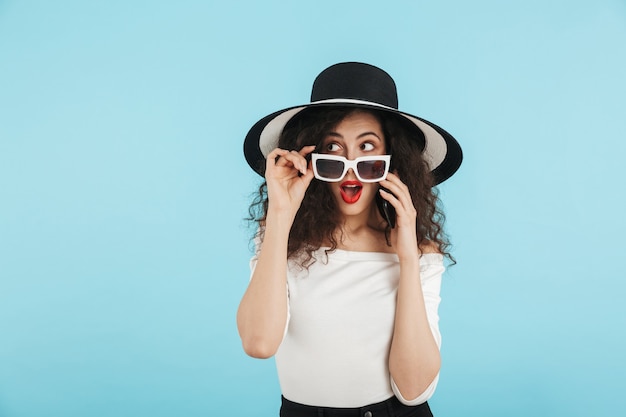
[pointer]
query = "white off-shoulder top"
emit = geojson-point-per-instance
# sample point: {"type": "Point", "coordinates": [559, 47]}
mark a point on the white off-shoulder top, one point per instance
{"type": "Point", "coordinates": [336, 345]}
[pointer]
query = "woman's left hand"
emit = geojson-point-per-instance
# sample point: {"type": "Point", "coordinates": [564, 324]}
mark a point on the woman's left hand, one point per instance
{"type": "Point", "coordinates": [404, 235]}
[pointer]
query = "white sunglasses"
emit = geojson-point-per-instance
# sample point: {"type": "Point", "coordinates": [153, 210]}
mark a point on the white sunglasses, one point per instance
{"type": "Point", "coordinates": [332, 168]}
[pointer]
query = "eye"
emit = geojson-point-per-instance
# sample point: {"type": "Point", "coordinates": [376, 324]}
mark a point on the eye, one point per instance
{"type": "Point", "coordinates": [367, 146]}
{"type": "Point", "coordinates": [333, 147]}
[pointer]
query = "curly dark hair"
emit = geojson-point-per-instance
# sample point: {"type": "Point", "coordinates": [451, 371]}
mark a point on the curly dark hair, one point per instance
{"type": "Point", "coordinates": [318, 218]}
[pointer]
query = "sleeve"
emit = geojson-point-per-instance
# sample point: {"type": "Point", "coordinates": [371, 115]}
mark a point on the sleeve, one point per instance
{"type": "Point", "coordinates": [431, 271]}
{"type": "Point", "coordinates": [257, 248]}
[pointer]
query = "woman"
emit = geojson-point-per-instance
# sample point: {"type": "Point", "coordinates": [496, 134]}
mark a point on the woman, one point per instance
{"type": "Point", "coordinates": [345, 280]}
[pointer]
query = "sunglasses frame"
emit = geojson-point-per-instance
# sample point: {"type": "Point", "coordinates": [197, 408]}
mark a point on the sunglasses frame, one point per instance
{"type": "Point", "coordinates": [347, 164]}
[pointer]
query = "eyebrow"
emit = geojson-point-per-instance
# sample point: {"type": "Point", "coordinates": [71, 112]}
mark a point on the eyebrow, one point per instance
{"type": "Point", "coordinates": [335, 134]}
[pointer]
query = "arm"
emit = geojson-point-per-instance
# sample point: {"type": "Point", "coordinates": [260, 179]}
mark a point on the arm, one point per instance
{"type": "Point", "coordinates": [262, 313]}
{"type": "Point", "coordinates": [414, 359]}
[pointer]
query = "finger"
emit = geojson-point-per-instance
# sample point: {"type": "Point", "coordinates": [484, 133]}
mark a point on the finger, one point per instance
{"type": "Point", "coordinates": [403, 209]}
{"type": "Point", "coordinates": [307, 150]}
{"type": "Point", "coordinates": [270, 161]}
{"type": "Point", "coordinates": [294, 159]}
{"type": "Point", "coordinates": [400, 194]}
{"type": "Point", "coordinates": [276, 152]}
{"type": "Point", "coordinates": [299, 161]}
{"type": "Point", "coordinates": [278, 159]}
{"type": "Point", "coordinates": [399, 189]}
{"type": "Point", "coordinates": [304, 152]}
{"type": "Point", "coordinates": [307, 177]}
{"type": "Point", "coordinates": [284, 158]}
{"type": "Point", "coordinates": [274, 155]}
{"type": "Point", "coordinates": [389, 195]}
{"type": "Point", "coordinates": [394, 178]}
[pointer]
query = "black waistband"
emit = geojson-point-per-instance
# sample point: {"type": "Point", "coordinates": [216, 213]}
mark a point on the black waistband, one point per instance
{"type": "Point", "coordinates": [388, 408]}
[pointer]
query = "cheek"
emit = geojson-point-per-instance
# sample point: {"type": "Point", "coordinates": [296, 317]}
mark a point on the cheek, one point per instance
{"type": "Point", "coordinates": [333, 187]}
{"type": "Point", "coordinates": [335, 190]}
{"type": "Point", "coordinates": [370, 190]}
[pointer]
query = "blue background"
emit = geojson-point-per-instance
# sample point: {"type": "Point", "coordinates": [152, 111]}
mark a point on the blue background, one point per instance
{"type": "Point", "coordinates": [123, 253]}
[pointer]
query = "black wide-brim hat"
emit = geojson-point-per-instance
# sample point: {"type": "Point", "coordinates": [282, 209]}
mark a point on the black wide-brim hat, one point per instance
{"type": "Point", "coordinates": [354, 84]}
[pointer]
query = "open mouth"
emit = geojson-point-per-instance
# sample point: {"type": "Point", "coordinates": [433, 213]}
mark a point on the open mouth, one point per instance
{"type": "Point", "coordinates": [351, 191]}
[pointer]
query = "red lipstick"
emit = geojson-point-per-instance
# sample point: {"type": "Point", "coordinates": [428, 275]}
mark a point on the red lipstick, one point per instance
{"type": "Point", "coordinates": [351, 191]}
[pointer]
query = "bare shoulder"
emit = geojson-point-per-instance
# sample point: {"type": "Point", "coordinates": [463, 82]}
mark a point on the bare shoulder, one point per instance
{"type": "Point", "coordinates": [429, 247]}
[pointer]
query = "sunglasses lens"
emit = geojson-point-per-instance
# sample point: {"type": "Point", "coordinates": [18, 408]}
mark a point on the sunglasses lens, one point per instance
{"type": "Point", "coordinates": [329, 169]}
{"type": "Point", "coordinates": [372, 170]}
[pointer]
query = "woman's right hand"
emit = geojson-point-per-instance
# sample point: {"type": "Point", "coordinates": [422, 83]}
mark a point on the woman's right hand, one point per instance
{"type": "Point", "coordinates": [288, 176]}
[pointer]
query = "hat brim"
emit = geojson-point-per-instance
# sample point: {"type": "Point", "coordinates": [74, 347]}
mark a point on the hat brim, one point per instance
{"type": "Point", "coordinates": [441, 151]}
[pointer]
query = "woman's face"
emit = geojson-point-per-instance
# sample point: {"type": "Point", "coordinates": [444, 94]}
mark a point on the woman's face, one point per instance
{"type": "Point", "coordinates": [358, 134]}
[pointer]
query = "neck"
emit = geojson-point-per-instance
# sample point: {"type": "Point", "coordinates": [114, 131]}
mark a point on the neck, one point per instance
{"type": "Point", "coordinates": [365, 239]}
{"type": "Point", "coordinates": [356, 227]}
